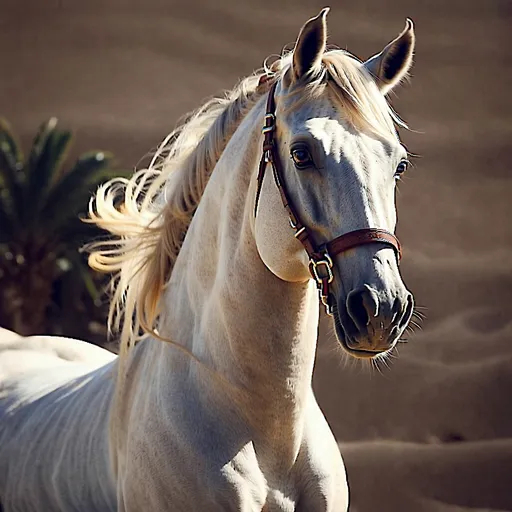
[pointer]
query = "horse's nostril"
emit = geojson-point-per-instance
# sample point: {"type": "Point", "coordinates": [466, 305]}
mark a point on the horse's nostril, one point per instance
{"type": "Point", "coordinates": [361, 306]}
{"type": "Point", "coordinates": [407, 312]}
{"type": "Point", "coordinates": [356, 309]}
{"type": "Point", "coordinates": [396, 310]}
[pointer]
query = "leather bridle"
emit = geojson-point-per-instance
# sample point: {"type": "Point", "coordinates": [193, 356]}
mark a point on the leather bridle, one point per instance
{"type": "Point", "coordinates": [320, 257]}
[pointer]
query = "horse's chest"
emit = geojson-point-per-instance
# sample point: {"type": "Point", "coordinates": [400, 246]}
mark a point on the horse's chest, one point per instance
{"type": "Point", "coordinates": [235, 487]}
{"type": "Point", "coordinates": [190, 461]}
{"type": "Point", "coordinates": [245, 487]}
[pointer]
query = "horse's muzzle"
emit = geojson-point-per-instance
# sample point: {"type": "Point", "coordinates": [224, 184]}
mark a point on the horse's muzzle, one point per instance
{"type": "Point", "coordinates": [368, 323]}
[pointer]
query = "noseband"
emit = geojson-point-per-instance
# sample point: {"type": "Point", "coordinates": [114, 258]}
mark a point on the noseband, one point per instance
{"type": "Point", "coordinates": [320, 257]}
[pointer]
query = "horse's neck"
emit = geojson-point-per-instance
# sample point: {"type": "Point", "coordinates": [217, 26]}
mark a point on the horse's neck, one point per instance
{"type": "Point", "coordinates": [256, 332]}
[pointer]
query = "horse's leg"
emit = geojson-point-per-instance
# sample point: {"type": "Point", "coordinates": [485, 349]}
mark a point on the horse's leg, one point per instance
{"type": "Point", "coordinates": [121, 507]}
{"type": "Point", "coordinates": [120, 504]}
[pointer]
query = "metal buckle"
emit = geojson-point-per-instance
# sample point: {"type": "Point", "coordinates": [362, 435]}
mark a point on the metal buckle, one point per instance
{"type": "Point", "coordinates": [270, 116]}
{"type": "Point", "coordinates": [299, 232]}
{"type": "Point", "coordinates": [327, 262]}
{"type": "Point", "coordinates": [269, 127]}
{"type": "Point", "coordinates": [324, 299]}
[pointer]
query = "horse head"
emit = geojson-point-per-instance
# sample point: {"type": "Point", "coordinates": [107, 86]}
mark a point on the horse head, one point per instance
{"type": "Point", "coordinates": [331, 139]}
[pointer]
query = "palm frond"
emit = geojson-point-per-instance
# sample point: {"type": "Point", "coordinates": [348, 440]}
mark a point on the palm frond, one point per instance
{"type": "Point", "coordinates": [44, 131]}
{"type": "Point", "coordinates": [11, 176]}
{"type": "Point", "coordinates": [40, 205]}
{"type": "Point", "coordinates": [84, 273]}
{"type": "Point", "coordinates": [70, 196]}
{"type": "Point", "coordinates": [13, 145]}
{"type": "Point", "coordinates": [48, 154]}
{"type": "Point", "coordinates": [73, 233]}
{"type": "Point", "coordinates": [7, 223]}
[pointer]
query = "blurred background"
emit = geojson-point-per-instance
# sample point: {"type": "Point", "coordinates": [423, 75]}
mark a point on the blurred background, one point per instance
{"type": "Point", "coordinates": [431, 432]}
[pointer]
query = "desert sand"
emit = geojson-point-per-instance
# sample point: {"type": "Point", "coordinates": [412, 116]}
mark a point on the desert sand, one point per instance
{"type": "Point", "coordinates": [434, 432]}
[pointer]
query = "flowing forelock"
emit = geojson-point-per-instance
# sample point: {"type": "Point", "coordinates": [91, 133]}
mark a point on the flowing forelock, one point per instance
{"type": "Point", "coordinates": [353, 90]}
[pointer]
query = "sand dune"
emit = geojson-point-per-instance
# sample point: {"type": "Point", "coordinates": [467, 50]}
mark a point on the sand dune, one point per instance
{"type": "Point", "coordinates": [474, 335]}
{"type": "Point", "coordinates": [387, 476]}
{"type": "Point", "coordinates": [451, 382]}
{"type": "Point", "coordinates": [449, 391]}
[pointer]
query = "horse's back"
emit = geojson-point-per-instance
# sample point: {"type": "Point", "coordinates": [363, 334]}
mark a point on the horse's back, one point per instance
{"type": "Point", "coordinates": [55, 398]}
{"type": "Point", "coordinates": [25, 354]}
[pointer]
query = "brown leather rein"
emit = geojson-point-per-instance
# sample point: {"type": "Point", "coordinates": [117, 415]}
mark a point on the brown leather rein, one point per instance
{"type": "Point", "coordinates": [320, 257]}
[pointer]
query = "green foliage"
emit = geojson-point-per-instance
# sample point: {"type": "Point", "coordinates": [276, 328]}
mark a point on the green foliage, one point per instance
{"type": "Point", "coordinates": [40, 229]}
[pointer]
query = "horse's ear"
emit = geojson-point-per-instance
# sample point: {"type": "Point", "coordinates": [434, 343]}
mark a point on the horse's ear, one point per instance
{"type": "Point", "coordinates": [310, 47]}
{"type": "Point", "coordinates": [392, 64]}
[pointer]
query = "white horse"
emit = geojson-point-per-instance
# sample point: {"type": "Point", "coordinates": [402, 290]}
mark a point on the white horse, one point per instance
{"type": "Point", "coordinates": [213, 408]}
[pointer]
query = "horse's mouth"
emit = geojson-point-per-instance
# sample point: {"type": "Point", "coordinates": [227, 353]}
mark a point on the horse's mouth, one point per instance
{"type": "Point", "coordinates": [341, 336]}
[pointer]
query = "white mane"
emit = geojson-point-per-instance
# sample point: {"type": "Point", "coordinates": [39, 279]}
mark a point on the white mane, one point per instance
{"type": "Point", "coordinates": [149, 213]}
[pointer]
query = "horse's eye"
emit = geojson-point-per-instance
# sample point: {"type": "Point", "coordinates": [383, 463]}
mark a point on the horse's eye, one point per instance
{"type": "Point", "coordinates": [301, 157]}
{"type": "Point", "coordinates": [402, 167]}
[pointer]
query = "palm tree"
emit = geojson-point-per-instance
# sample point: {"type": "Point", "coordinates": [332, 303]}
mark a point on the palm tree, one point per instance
{"type": "Point", "coordinates": [42, 274]}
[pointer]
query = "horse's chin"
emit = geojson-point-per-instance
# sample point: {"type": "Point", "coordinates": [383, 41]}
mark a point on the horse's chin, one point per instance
{"type": "Point", "coordinates": [341, 336]}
